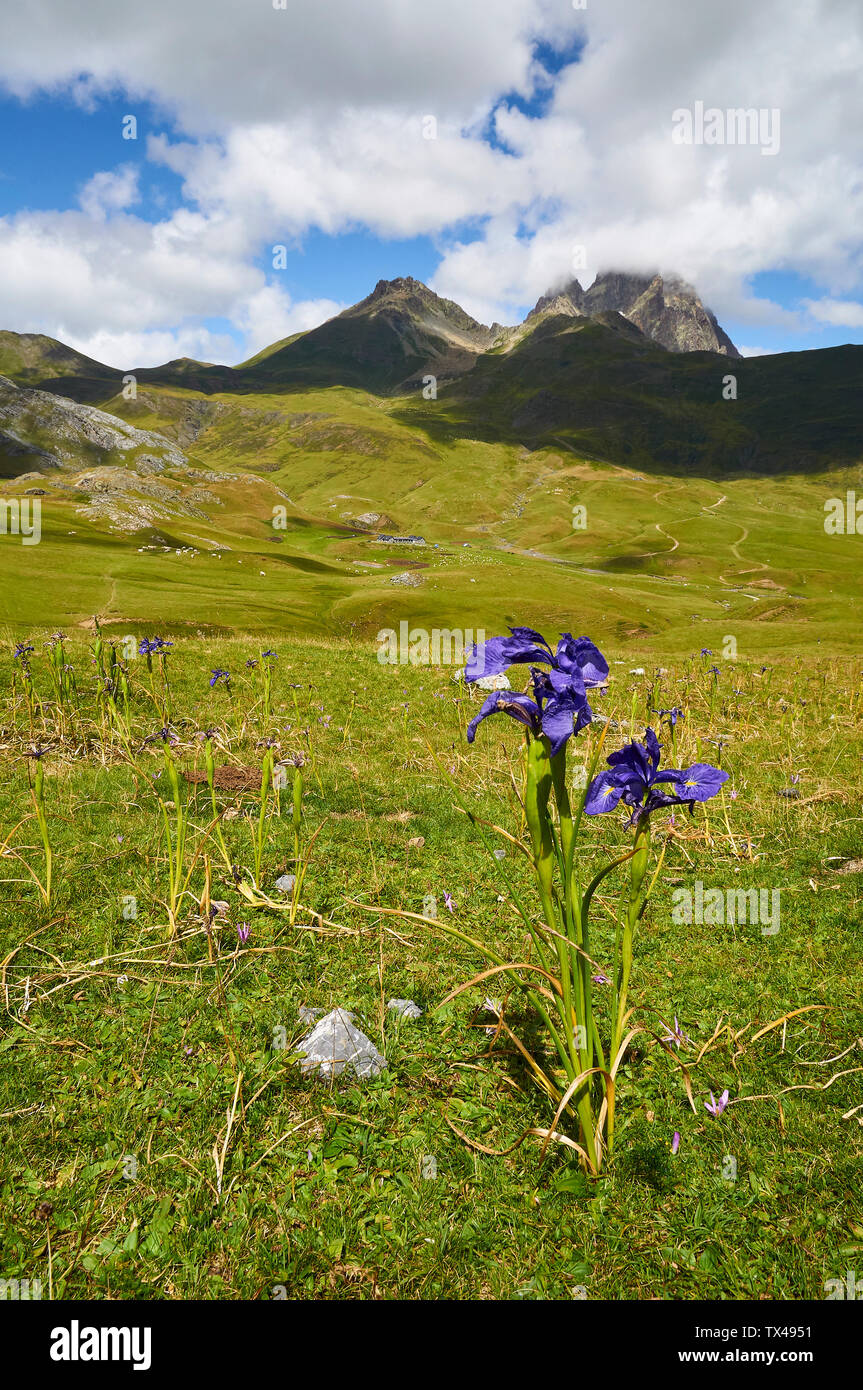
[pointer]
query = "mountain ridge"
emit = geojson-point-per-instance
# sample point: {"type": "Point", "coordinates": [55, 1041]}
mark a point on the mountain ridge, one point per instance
{"type": "Point", "coordinates": [388, 342]}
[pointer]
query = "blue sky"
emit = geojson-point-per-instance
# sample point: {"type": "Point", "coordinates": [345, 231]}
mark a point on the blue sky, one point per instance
{"type": "Point", "coordinates": [139, 250]}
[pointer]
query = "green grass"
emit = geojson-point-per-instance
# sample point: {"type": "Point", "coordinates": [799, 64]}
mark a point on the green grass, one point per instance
{"type": "Point", "coordinates": [123, 1042]}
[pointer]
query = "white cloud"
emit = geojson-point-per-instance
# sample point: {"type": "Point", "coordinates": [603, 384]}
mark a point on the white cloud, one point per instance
{"type": "Point", "coordinates": [312, 117]}
{"type": "Point", "coordinates": [126, 350]}
{"type": "Point", "coordinates": [220, 64]}
{"type": "Point", "coordinates": [270, 314]}
{"type": "Point", "coordinates": [843, 313]}
{"type": "Point", "coordinates": [111, 190]}
{"type": "Point", "coordinates": [129, 292]}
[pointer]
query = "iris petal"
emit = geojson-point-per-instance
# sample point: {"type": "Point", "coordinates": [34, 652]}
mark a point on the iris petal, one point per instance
{"type": "Point", "coordinates": [520, 707]}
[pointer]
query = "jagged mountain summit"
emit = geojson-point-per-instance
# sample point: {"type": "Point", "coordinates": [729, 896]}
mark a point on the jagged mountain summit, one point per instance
{"type": "Point", "coordinates": [667, 310]}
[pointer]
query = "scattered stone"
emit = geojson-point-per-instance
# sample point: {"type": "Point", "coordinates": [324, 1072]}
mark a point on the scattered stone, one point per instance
{"type": "Point", "coordinates": [405, 1008]}
{"type": "Point", "coordinates": [335, 1045]}
{"type": "Point", "coordinates": [286, 883]}
{"type": "Point", "coordinates": [399, 540]}
{"type": "Point", "coordinates": [410, 581]}
{"type": "Point", "coordinates": [417, 842]}
{"type": "Point", "coordinates": [612, 723]}
{"type": "Point", "coordinates": [307, 1015]}
{"type": "Point", "coordinates": [493, 683]}
{"type": "Point", "coordinates": [500, 854]}
{"type": "Point", "coordinates": [790, 793]}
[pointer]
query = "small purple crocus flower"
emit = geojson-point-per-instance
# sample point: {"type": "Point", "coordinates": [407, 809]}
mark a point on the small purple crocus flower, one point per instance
{"type": "Point", "coordinates": [243, 933]}
{"type": "Point", "coordinates": [675, 1035]}
{"type": "Point", "coordinates": [634, 778]}
{"type": "Point", "coordinates": [449, 901]}
{"type": "Point", "coordinates": [716, 1107]}
{"type": "Point", "coordinates": [675, 1143]}
{"type": "Point", "coordinates": [600, 979]}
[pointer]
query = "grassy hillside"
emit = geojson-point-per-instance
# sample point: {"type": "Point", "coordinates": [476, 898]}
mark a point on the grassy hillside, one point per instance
{"type": "Point", "coordinates": [682, 561]}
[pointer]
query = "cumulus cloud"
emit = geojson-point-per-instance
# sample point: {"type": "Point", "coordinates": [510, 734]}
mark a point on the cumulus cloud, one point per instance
{"type": "Point", "coordinates": [111, 190]}
{"type": "Point", "coordinates": [270, 314]}
{"type": "Point", "coordinates": [219, 64]}
{"type": "Point", "coordinates": [843, 313]}
{"type": "Point", "coordinates": [319, 117]}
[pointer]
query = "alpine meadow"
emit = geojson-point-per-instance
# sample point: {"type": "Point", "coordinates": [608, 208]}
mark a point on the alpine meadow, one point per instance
{"type": "Point", "coordinates": [431, 797]}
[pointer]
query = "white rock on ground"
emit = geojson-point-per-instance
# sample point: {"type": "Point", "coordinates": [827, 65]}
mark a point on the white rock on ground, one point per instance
{"type": "Point", "coordinates": [493, 683]}
{"type": "Point", "coordinates": [334, 1044]}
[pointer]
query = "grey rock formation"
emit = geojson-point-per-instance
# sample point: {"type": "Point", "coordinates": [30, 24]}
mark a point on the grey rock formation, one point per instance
{"type": "Point", "coordinates": [666, 310]}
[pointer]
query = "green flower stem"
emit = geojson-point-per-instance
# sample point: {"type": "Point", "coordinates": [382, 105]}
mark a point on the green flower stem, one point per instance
{"type": "Point", "coordinates": [635, 907]}
{"type": "Point", "coordinates": [42, 819]}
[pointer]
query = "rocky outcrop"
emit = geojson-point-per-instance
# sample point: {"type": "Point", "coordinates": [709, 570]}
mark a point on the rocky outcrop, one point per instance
{"type": "Point", "coordinates": [76, 434]}
{"type": "Point", "coordinates": [667, 310]}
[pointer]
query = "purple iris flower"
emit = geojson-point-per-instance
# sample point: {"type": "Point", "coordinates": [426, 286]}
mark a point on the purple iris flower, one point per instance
{"type": "Point", "coordinates": [220, 675]}
{"type": "Point", "coordinates": [558, 710]}
{"type": "Point", "coordinates": [21, 651]}
{"type": "Point", "coordinates": [149, 646]}
{"type": "Point", "coordinates": [527, 647]}
{"type": "Point", "coordinates": [165, 735]}
{"type": "Point", "coordinates": [634, 778]}
{"type": "Point", "coordinates": [716, 1107]}
{"type": "Point", "coordinates": [671, 715]}
{"type": "Point", "coordinates": [557, 707]}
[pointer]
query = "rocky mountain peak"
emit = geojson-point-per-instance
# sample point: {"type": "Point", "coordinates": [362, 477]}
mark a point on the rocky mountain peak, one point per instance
{"type": "Point", "coordinates": [665, 309]}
